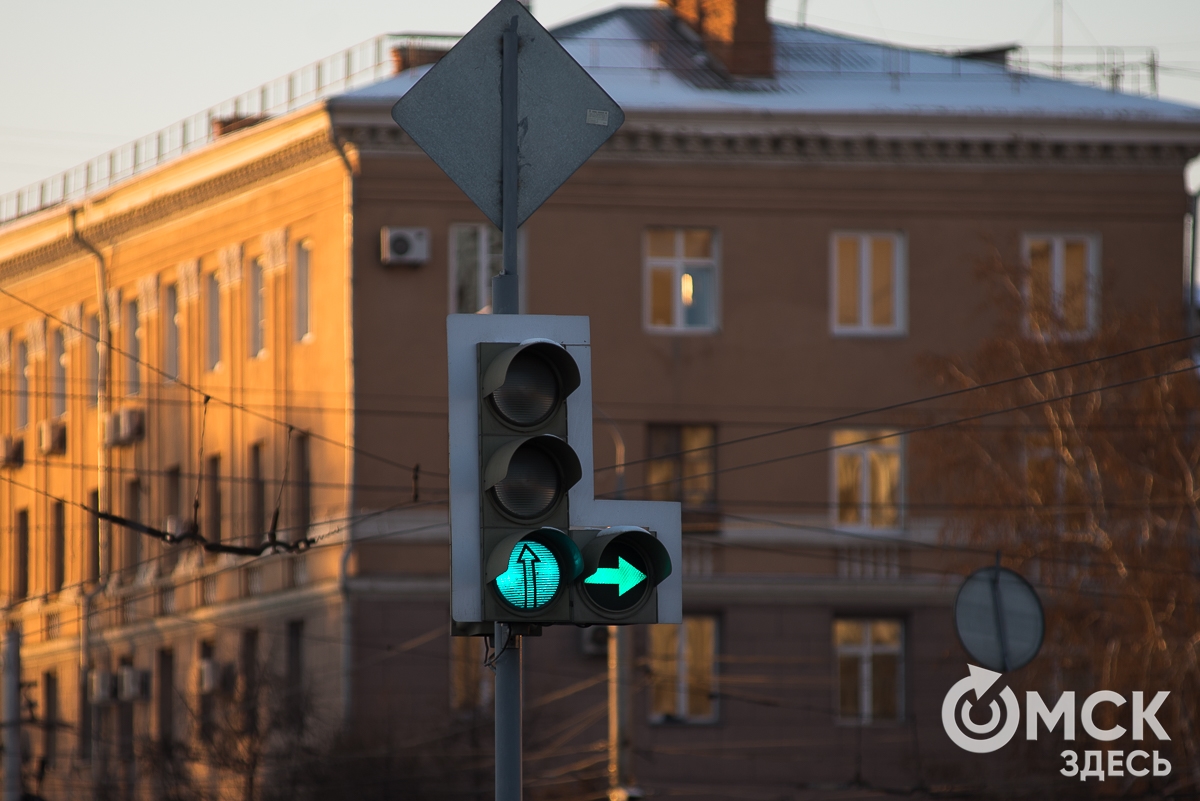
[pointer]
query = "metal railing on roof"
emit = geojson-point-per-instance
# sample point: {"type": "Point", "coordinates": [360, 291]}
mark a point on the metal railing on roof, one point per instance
{"type": "Point", "coordinates": [354, 67]}
{"type": "Point", "coordinates": [1132, 70]}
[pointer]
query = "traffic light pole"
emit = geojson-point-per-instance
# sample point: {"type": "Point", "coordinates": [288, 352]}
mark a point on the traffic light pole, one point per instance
{"type": "Point", "coordinates": [506, 300]}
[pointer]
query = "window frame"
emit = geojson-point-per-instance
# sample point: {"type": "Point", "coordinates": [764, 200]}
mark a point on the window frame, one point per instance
{"type": "Point", "coordinates": [213, 339]}
{"type": "Point", "coordinates": [302, 305]}
{"type": "Point", "coordinates": [683, 717]}
{"type": "Point", "coordinates": [899, 281]}
{"type": "Point", "coordinates": [678, 265]}
{"type": "Point", "coordinates": [256, 309]}
{"type": "Point", "coordinates": [58, 374]}
{"type": "Point", "coordinates": [865, 449]}
{"type": "Point", "coordinates": [21, 367]}
{"type": "Point", "coordinates": [865, 684]}
{"type": "Point", "coordinates": [1057, 270]}
{"type": "Point", "coordinates": [170, 332]}
{"type": "Point", "coordinates": [452, 266]}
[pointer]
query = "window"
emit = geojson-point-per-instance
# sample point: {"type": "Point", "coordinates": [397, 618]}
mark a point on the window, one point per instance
{"type": "Point", "coordinates": [170, 340]}
{"type": "Point", "coordinates": [256, 316]}
{"type": "Point", "coordinates": [1062, 291]}
{"type": "Point", "coordinates": [681, 279]}
{"type": "Point", "coordinates": [476, 256]}
{"type": "Point", "coordinates": [212, 299]}
{"type": "Point", "coordinates": [131, 541]}
{"type": "Point", "coordinates": [256, 525]}
{"type": "Point", "coordinates": [870, 670]}
{"type": "Point", "coordinates": [93, 534]}
{"type": "Point", "coordinates": [868, 283]}
{"type": "Point", "coordinates": [301, 488]}
{"type": "Point", "coordinates": [294, 675]}
{"type": "Point", "coordinates": [58, 545]}
{"type": "Point", "coordinates": [248, 674]}
{"type": "Point", "coordinates": [302, 296]}
{"type": "Point", "coordinates": [50, 717]}
{"type": "Point", "coordinates": [683, 671]}
{"type": "Point", "coordinates": [91, 343]}
{"type": "Point", "coordinates": [58, 374]}
{"type": "Point", "coordinates": [133, 348]}
{"type": "Point", "coordinates": [471, 683]}
{"type": "Point", "coordinates": [21, 371]}
{"type": "Point", "coordinates": [866, 478]}
{"type": "Point", "coordinates": [164, 700]}
{"type": "Point", "coordinates": [206, 717]}
{"type": "Point", "coordinates": [21, 556]}
{"type": "Point", "coordinates": [1055, 487]}
{"type": "Point", "coordinates": [212, 499]}
{"type": "Point", "coordinates": [173, 511]}
{"type": "Point", "coordinates": [682, 464]}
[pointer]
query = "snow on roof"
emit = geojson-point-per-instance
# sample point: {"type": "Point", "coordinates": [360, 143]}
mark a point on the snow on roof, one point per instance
{"type": "Point", "coordinates": [649, 61]}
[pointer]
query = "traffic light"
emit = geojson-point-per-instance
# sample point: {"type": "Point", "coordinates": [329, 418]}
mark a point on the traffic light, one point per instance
{"type": "Point", "coordinates": [529, 543]}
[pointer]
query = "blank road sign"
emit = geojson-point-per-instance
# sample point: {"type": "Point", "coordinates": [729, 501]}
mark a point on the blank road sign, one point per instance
{"type": "Point", "coordinates": [453, 113]}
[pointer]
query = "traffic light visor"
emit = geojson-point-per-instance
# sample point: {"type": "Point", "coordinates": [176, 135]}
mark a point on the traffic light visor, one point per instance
{"type": "Point", "coordinates": [527, 382]}
{"type": "Point", "coordinates": [528, 476]}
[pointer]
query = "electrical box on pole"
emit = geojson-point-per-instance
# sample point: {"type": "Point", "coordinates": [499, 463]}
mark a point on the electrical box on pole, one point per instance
{"type": "Point", "coordinates": [529, 541]}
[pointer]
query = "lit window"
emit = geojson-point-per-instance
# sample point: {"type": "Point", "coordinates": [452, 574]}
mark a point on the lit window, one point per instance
{"type": "Point", "coordinates": [212, 299]}
{"type": "Point", "coordinates": [470, 681]}
{"type": "Point", "coordinates": [867, 471]}
{"type": "Point", "coordinates": [682, 464]}
{"type": "Point", "coordinates": [870, 670]}
{"type": "Point", "coordinates": [476, 257]}
{"type": "Point", "coordinates": [256, 316]}
{"type": "Point", "coordinates": [302, 285]}
{"type": "Point", "coordinates": [683, 671]}
{"type": "Point", "coordinates": [1062, 290]}
{"type": "Point", "coordinates": [681, 279]}
{"type": "Point", "coordinates": [868, 283]}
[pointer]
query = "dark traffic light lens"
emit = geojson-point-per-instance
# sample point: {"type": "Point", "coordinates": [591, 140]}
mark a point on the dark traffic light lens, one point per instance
{"type": "Point", "coordinates": [532, 484]}
{"type": "Point", "coordinates": [530, 391]}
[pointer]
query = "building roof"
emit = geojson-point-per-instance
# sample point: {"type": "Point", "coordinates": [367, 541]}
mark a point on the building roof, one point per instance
{"type": "Point", "coordinates": [647, 60]}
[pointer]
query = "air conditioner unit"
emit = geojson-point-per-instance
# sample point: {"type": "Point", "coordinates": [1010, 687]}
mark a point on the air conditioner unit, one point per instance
{"type": "Point", "coordinates": [210, 676]}
{"type": "Point", "coordinates": [13, 454]}
{"type": "Point", "coordinates": [52, 437]}
{"type": "Point", "coordinates": [132, 684]}
{"type": "Point", "coordinates": [173, 525]}
{"type": "Point", "coordinates": [100, 686]}
{"type": "Point", "coordinates": [131, 426]}
{"type": "Point", "coordinates": [111, 431]}
{"type": "Point", "coordinates": [404, 245]}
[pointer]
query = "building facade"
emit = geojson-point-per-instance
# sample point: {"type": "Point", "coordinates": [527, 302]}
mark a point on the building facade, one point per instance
{"type": "Point", "coordinates": [761, 250]}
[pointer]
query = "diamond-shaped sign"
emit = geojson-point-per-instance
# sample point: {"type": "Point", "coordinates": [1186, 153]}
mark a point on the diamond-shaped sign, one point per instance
{"type": "Point", "coordinates": [453, 113]}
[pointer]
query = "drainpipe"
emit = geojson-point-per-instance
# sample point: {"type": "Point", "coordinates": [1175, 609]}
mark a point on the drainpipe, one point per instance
{"type": "Point", "coordinates": [103, 488]}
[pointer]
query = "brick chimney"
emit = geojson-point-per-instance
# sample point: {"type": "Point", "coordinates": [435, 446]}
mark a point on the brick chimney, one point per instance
{"type": "Point", "coordinates": [735, 31]}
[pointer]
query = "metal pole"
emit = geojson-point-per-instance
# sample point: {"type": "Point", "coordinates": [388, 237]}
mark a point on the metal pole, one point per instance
{"type": "Point", "coordinates": [505, 292]}
{"type": "Point", "coordinates": [508, 713]}
{"type": "Point", "coordinates": [12, 715]}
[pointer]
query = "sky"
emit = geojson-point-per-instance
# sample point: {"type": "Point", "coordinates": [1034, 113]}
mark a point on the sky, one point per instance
{"type": "Point", "coordinates": [82, 77]}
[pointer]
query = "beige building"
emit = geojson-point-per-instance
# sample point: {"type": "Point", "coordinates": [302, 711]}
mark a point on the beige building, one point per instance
{"type": "Point", "coordinates": [766, 244]}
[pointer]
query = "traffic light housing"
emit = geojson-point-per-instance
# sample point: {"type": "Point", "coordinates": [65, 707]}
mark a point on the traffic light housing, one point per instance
{"type": "Point", "coordinates": [529, 542]}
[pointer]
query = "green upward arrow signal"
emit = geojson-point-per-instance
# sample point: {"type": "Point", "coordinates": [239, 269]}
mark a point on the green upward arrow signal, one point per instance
{"type": "Point", "coordinates": [624, 575]}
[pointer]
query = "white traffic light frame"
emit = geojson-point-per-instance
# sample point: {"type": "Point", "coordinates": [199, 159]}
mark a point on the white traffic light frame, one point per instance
{"type": "Point", "coordinates": [463, 334]}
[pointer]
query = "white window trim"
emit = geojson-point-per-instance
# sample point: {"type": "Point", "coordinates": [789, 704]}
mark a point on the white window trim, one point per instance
{"type": "Point", "coordinates": [1056, 266]}
{"type": "Point", "coordinates": [309, 335]}
{"type": "Point", "coordinates": [899, 279]}
{"type": "Point", "coordinates": [865, 690]}
{"type": "Point", "coordinates": [678, 264]}
{"type": "Point", "coordinates": [481, 259]}
{"type": "Point", "coordinates": [865, 503]}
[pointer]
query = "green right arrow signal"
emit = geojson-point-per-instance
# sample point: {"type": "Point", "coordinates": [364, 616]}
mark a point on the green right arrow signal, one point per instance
{"type": "Point", "coordinates": [624, 575]}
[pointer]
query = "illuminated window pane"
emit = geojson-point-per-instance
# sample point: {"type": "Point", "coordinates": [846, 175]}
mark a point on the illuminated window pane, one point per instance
{"type": "Point", "coordinates": [697, 243]}
{"type": "Point", "coordinates": [700, 636]}
{"type": "Point", "coordinates": [696, 443]}
{"type": "Point", "coordinates": [848, 632]}
{"type": "Point", "coordinates": [682, 460]}
{"type": "Point", "coordinates": [1075, 286]}
{"type": "Point", "coordinates": [885, 487]}
{"type": "Point", "coordinates": [849, 488]}
{"type": "Point", "coordinates": [664, 669]}
{"type": "Point", "coordinates": [847, 280]}
{"type": "Point", "coordinates": [660, 243]}
{"type": "Point", "coordinates": [883, 288]}
{"type": "Point", "coordinates": [1039, 276]}
{"type": "Point", "coordinates": [698, 302]}
{"type": "Point", "coordinates": [662, 297]}
{"type": "Point", "coordinates": [683, 670]}
{"type": "Point", "coordinates": [870, 660]}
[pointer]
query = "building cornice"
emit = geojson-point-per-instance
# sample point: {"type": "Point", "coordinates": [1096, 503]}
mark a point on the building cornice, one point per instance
{"type": "Point", "coordinates": [920, 141]}
{"type": "Point", "coordinates": [61, 246]}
